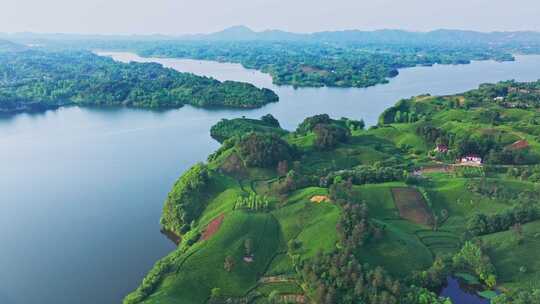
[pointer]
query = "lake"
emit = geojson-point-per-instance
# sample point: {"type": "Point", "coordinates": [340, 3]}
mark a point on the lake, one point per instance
{"type": "Point", "coordinates": [82, 188]}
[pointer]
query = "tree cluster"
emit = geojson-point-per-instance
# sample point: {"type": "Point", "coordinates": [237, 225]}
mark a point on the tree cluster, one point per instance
{"type": "Point", "coordinates": [480, 224]}
{"type": "Point", "coordinates": [186, 201]}
{"type": "Point", "coordinates": [472, 258]}
{"type": "Point", "coordinates": [495, 189]}
{"type": "Point", "coordinates": [328, 136]}
{"type": "Point", "coordinates": [230, 128]}
{"type": "Point", "coordinates": [33, 78]}
{"type": "Point", "coordinates": [367, 175]}
{"type": "Point", "coordinates": [253, 202]}
{"type": "Point", "coordinates": [264, 150]}
{"type": "Point", "coordinates": [520, 296]}
{"type": "Point", "coordinates": [339, 278]}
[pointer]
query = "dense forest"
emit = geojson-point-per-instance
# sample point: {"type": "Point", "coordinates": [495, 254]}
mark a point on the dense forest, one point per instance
{"type": "Point", "coordinates": [34, 79]}
{"type": "Point", "coordinates": [315, 64]}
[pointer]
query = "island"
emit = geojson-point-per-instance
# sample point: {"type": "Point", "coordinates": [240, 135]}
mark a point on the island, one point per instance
{"type": "Point", "coordinates": [350, 58]}
{"type": "Point", "coordinates": [36, 79]}
{"type": "Point", "coordinates": [443, 187]}
{"type": "Point", "coordinates": [318, 64]}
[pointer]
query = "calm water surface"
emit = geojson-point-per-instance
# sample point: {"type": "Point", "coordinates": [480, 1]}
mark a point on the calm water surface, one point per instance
{"type": "Point", "coordinates": [459, 295]}
{"type": "Point", "coordinates": [81, 189]}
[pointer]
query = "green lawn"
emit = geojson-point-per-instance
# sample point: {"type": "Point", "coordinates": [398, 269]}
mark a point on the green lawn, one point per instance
{"type": "Point", "coordinates": [204, 270]}
{"type": "Point", "coordinates": [314, 225]}
{"type": "Point", "coordinates": [508, 257]}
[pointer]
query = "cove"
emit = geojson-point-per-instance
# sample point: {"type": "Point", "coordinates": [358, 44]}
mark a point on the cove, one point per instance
{"type": "Point", "coordinates": [81, 189]}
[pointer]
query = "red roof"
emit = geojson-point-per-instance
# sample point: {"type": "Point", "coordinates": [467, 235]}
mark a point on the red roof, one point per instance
{"type": "Point", "coordinates": [442, 148]}
{"type": "Point", "coordinates": [520, 144]}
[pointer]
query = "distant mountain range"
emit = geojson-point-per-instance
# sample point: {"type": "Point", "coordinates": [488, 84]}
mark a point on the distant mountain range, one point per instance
{"type": "Point", "coordinates": [8, 46]}
{"type": "Point", "coordinates": [243, 33]}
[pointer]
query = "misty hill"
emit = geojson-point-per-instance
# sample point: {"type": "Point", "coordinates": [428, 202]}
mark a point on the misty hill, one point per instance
{"type": "Point", "coordinates": [8, 46]}
{"type": "Point", "coordinates": [242, 33]}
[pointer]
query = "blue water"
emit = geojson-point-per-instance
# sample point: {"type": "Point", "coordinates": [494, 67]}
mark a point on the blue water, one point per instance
{"type": "Point", "coordinates": [81, 189]}
{"type": "Point", "coordinates": [459, 295]}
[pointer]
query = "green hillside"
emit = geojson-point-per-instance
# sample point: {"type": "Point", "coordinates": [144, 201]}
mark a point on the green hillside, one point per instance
{"type": "Point", "coordinates": [335, 213]}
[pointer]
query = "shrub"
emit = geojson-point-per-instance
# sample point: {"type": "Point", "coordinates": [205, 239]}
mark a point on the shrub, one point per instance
{"type": "Point", "coordinates": [480, 224]}
{"type": "Point", "coordinates": [472, 258]}
{"type": "Point", "coordinates": [264, 150]}
{"type": "Point", "coordinates": [310, 122]}
{"type": "Point", "coordinates": [328, 136]}
{"type": "Point", "coordinates": [186, 200]}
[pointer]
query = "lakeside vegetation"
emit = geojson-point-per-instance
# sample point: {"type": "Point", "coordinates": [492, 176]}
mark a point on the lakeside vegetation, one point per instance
{"type": "Point", "coordinates": [335, 213]}
{"type": "Point", "coordinates": [349, 58]}
{"type": "Point", "coordinates": [36, 80]}
{"type": "Point", "coordinates": [229, 128]}
{"type": "Point", "coordinates": [316, 64]}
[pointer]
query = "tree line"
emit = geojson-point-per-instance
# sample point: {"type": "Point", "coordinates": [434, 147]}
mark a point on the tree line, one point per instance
{"type": "Point", "coordinates": [35, 78]}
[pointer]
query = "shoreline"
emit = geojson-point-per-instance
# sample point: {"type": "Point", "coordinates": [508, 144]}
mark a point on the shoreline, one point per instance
{"type": "Point", "coordinates": [173, 237]}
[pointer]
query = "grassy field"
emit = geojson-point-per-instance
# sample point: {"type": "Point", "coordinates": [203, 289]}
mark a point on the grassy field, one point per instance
{"type": "Point", "coordinates": [204, 269]}
{"type": "Point", "coordinates": [398, 241]}
{"type": "Point", "coordinates": [509, 256]}
{"type": "Point", "coordinates": [313, 225]}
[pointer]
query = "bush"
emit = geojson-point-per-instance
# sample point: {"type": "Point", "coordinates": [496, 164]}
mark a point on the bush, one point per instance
{"type": "Point", "coordinates": [310, 122]}
{"type": "Point", "coordinates": [328, 136]}
{"type": "Point", "coordinates": [367, 175]}
{"type": "Point", "coordinates": [264, 150]}
{"type": "Point", "coordinates": [472, 258]}
{"type": "Point", "coordinates": [480, 224]}
{"type": "Point", "coordinates": [186, 201]}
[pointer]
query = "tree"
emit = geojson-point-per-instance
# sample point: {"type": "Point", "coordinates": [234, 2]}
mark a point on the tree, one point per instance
{"type": "Point", "coordinates": [471, 257]}
{"type": "Point", "coordinates": [328, 136]}
{"type": "Point", "coordinates": [518, 232]}
{"type": "Point", "coordinates": [270, 120]}
{"type": "Point", "coordinates": [273, 297]}
{"type": "Point", "coordinates": [283, 167]}
{"type": "Point", "coordinates": [215, 295]}
{"type": "Point", "coordinates": [397, 118]}
{"type": "Point", "coordinates": [263, 150]}
{"type": "Point", "coordinates": [228, 265]}
{"type": "Point", "coordinates": [248, 246]}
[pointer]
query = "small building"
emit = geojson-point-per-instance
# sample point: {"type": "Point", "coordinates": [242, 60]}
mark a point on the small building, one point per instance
{"type": "Point", "coordinates": [498, 98]}
{"type": "Point", "coordinates": [248, 258]}
{"type": "Point", "coordinates": [441, 149]}
{"type": "Point", "coordinates": [471, 160]}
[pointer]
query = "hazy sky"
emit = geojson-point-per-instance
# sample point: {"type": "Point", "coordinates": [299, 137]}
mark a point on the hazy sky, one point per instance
{"type": "Point", "coordinates": [195, 16]}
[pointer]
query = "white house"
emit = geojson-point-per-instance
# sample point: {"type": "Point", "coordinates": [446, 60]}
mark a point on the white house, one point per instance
{"type": "Point", "coordinates": [471, 160]}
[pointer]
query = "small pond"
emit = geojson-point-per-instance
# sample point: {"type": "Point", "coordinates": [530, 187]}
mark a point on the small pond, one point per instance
{"type": "Point", "coordinates": [460, 293]}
